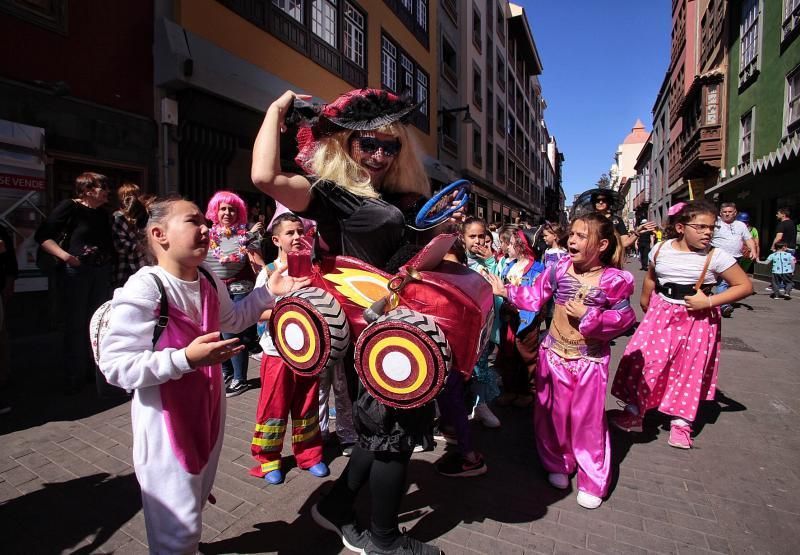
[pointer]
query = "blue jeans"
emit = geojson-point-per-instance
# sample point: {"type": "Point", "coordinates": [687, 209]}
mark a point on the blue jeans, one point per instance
{"type": "Point", "coordinates": [723, 285]}
{"type": "Point", "coordinates": [237, 366]}
{"type": "Point", "coordinates": [82, 290]}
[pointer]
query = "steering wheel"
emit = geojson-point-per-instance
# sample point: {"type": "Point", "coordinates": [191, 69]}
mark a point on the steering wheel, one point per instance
{"type": "Point", "coordinates": [428, 218]}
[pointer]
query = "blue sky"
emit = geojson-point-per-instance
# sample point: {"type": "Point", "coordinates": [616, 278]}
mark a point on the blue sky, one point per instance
{"type": "Point", "coordinates": [604, 61]}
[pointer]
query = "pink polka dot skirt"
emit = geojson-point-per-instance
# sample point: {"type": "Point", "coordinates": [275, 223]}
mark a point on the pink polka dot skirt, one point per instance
{"type": "Point", "coordinates": [672, 360]}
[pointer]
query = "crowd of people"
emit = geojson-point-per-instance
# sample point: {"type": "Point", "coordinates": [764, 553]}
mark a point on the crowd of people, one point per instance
{"type": "Point", "coordinates": [195, 289]}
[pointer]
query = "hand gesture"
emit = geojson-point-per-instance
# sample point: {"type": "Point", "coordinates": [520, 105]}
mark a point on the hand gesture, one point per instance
{"type": "Point", "coordinates": [497, 284]}
{"type": "Point", "coordinates": [207, 350]}
{"type": "Point", "coordinates": [279, 284]}
{"type": "Point", "coordinates": [284, 102]}
{"type": "Point", "coordinates": [647, 226]}
{"type": "Point", "coordinates": [698, 301]}
{"type": "Point", "coordinates": [257, 228]}
{"type": "Point", "coordinates": [575, 309]}
{"type": "Point", "coordinates": [482, 251]}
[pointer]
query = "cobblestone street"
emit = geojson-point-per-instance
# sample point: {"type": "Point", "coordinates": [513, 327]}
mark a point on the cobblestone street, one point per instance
{"type": "Point", "coordinates": [67, 485]}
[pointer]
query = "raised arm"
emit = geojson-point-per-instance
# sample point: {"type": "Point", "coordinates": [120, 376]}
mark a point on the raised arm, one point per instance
{"type": "Point", "coordinates": [290, 189]}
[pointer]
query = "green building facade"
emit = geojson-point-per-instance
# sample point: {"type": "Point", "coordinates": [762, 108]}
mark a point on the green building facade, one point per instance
{"type": "Point", "coordinates": [761, 170]}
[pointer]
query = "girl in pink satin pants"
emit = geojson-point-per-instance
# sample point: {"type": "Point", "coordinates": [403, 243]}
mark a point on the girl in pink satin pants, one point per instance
{"type": "Point", "coordinates": [591, 308]}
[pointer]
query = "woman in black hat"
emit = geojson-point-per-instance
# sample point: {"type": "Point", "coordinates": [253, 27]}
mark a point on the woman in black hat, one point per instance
{"type": "Point", "coordinates": [603, 203]}
{"type": "Point", "coordinates": [361, 164]}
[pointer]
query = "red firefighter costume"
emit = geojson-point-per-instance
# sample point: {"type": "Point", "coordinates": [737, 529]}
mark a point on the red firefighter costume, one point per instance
{"type": "Point", "coordinates": [284, 393]}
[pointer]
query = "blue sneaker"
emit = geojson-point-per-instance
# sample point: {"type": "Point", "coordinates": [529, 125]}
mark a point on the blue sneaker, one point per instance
{"type": "Point", "coordinates": [320, 470]}
{"type": "Point", "coordinates": [274, 477]}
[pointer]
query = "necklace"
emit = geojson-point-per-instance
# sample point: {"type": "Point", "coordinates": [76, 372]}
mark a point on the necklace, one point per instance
{"type": "Point", "coordinates": [218, 232]}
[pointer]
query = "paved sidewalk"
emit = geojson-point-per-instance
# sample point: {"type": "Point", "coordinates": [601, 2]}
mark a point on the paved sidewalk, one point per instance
{"type": "Point", "coordinates": [66, 484]}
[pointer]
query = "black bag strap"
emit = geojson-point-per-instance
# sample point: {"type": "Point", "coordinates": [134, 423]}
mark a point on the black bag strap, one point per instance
{"type": "Point", "coordinates": [209, 277]}
{"type": "Point", "coordinates": [163, 311]}
{"type": "Point", "coordinates": [163, 308]}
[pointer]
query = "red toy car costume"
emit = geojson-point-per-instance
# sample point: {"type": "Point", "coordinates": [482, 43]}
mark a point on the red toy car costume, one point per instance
{"type": "Point", "coordinates": [431, 315]}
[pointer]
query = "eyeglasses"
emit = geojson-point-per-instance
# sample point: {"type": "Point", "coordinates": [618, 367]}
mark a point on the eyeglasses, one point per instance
{"type": "Point", "coordinates": [371, 145]}
{"type": "Point", "coordinates": [703, 227]}
{"type": "Point", "coordinates": [601, 201]}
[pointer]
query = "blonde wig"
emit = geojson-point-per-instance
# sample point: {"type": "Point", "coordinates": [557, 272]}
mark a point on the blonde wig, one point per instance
{"type": "Point", "coordinates": [331, 161]}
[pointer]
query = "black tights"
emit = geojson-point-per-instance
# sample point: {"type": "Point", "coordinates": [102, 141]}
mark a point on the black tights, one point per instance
{"type": "Point", "coordinates": [386, 474]}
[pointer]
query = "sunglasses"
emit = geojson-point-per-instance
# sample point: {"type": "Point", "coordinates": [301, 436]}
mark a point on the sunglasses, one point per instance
{"type": "Point", "coordinates": [371, 145]}
{"type": "Point", "coordinates": [601, 200]}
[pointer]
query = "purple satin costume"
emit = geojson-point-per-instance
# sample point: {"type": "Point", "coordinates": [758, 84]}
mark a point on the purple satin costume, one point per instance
{"type": "Point", "coordinates": [569, 413]}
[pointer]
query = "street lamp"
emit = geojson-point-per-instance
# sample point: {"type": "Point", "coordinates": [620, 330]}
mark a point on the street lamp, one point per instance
{"type": "Point", "coordinates": [465, 109]}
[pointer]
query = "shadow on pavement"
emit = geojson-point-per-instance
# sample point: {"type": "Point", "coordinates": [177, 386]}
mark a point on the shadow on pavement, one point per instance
{"type": "Point", "coordinates": [63, 514]}
{"type": "Point", "coordinates": [34, 404]}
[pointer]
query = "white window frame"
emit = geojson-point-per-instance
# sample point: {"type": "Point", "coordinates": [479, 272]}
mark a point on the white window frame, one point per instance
{"type": "Point", "coordinates": [388, 64]}
{"type": "Point", "coordinates": [353, 30]}
{"type": "Point", "coordinates": [750, 33]}
{"type": "Point", "coordinates": [324, 20]}
{"type": "Point", "coordinates": [422, 14]}
{"type": "Point", "coordinates": [422, 91]}
{"type": "Point", "coordinates": [293, 8]}
{"type": "Point", "coordinates": [746, 136]}
{"type": "Point", "coordinates": [791, 17]}
{"type": "Point", "coordinates": [407, 75]}
{"type": "Point", "coordinates": [792, 95]}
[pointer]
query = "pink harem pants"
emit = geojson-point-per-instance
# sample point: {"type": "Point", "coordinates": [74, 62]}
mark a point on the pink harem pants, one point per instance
{"type": "Point", "coordinates": [570, 420]}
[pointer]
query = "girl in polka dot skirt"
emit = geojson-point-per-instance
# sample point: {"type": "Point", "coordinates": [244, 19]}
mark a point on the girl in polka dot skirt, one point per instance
{"type": "Point", "coordinates": [672, 360]}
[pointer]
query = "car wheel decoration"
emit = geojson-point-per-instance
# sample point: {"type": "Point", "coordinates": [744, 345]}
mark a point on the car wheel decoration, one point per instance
{"type": "Point", "coordinates": [310, 330]}
{"type": "Point", "coordinates": [403, 359]}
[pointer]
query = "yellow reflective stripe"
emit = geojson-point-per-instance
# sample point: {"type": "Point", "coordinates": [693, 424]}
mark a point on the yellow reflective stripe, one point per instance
{"type": "Point", "coordinates": [270, 429]}
{"type": "Point", "coordinates": [270, 466]}
{"type": "Point", "coordinates": [305, 422]}
{"type": "Point", "coordinates": [299, 438]}
{"type": "Point", "coordinates": [264, 442]}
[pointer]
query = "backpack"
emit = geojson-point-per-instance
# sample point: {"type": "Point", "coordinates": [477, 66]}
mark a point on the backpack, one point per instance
{"type": "Point", "coordinates": [98, 325]}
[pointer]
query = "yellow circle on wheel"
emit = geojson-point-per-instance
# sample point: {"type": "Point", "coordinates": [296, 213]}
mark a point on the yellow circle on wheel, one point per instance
{"type": "Point", "coordinates": [410, 347]}
{"type": "Point", "coordinates": [312, 342]}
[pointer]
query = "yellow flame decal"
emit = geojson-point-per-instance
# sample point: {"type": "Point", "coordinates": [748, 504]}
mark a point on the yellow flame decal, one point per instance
{"type": "Point", "coordinates": [360, 287]}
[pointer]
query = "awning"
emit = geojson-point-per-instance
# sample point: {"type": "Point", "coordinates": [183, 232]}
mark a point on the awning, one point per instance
{"type": "Point", "coordinates": [213, 69]}
{"type": "Point", "coordinates": [787, 153]}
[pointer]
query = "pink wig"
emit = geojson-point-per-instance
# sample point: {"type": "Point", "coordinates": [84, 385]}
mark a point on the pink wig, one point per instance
{"type": "Point", "coordinates": [226, 197]}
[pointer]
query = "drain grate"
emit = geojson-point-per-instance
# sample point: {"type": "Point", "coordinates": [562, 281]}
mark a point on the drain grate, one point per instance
{"type": "Point", "coordinates": [736, 344]}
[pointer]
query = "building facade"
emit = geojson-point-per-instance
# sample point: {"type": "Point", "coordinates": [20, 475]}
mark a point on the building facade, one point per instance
{"type": "Point", "coordinates": [62, 113]}
{"type": "Point", "coordinates": [491, 114]}
{"type": "Point", "coordinates": [220, 63]}
{"type": "Point", "coordinates": [659, 155]}
{"type": "Point", "coordinates": [762, 170]}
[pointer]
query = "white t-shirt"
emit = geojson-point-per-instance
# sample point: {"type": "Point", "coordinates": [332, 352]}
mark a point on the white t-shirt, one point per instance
{"type": "Point", "coordinates": [267, 345]}
{"type": "Point", "coordinates": [731, 237]}
{"type": "Point", "coordinates": [684, 268]}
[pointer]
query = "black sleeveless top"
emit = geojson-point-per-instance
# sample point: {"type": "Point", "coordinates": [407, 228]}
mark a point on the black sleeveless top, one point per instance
{"type": "Point", "coordinates": [366, 228]}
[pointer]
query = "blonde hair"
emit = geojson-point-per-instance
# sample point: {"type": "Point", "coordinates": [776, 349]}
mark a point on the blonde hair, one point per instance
{"type": "Point", "coordinates": [331, 161]}
{"type": "Point", "coordinates": [599, 228]}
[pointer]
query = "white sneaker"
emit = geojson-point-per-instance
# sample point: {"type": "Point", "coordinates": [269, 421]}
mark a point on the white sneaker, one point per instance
{"type": "Point", "coordinates": [589, 501]}
{"type": "Point", "coordinates": [485, 416]}
{"type": "Point", "coordinates": [558, 480]}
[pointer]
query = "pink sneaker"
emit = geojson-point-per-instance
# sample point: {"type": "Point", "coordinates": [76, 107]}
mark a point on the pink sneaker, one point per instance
{"type": "Point", "coordinates": [626, 421]}
{"type": "Point", "coordinates": [680, 437]}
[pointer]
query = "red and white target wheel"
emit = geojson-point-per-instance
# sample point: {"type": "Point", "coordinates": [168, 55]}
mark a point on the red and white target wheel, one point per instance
{"type": "Point", "coordinates": [403, 359]}
{"type": "Point", "coordinates": [309, 330]}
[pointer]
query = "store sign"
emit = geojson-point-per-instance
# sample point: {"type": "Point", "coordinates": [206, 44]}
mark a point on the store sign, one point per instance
{"type": "Point", "coordinates": [23, 182]}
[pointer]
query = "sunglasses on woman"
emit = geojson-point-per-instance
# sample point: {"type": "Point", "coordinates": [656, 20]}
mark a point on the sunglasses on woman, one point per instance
{"type": "Point", "coordinates": [371, 145]}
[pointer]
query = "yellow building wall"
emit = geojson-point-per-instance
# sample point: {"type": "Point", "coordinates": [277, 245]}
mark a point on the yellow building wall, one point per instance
{"type": "Point", "coordinates": [216, 23]}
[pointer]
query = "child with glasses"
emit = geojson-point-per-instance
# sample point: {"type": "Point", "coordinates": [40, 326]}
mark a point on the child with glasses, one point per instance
{"type": "Point", "coordinates": [671, 362]}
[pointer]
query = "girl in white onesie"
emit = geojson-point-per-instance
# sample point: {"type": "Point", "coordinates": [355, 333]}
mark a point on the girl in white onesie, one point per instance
{"type": "Point", "coordinates": [178, 408]}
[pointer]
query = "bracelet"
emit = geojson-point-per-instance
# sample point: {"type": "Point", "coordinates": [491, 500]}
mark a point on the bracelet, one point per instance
{"type": "Point", "coordinates": [709, 301]}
